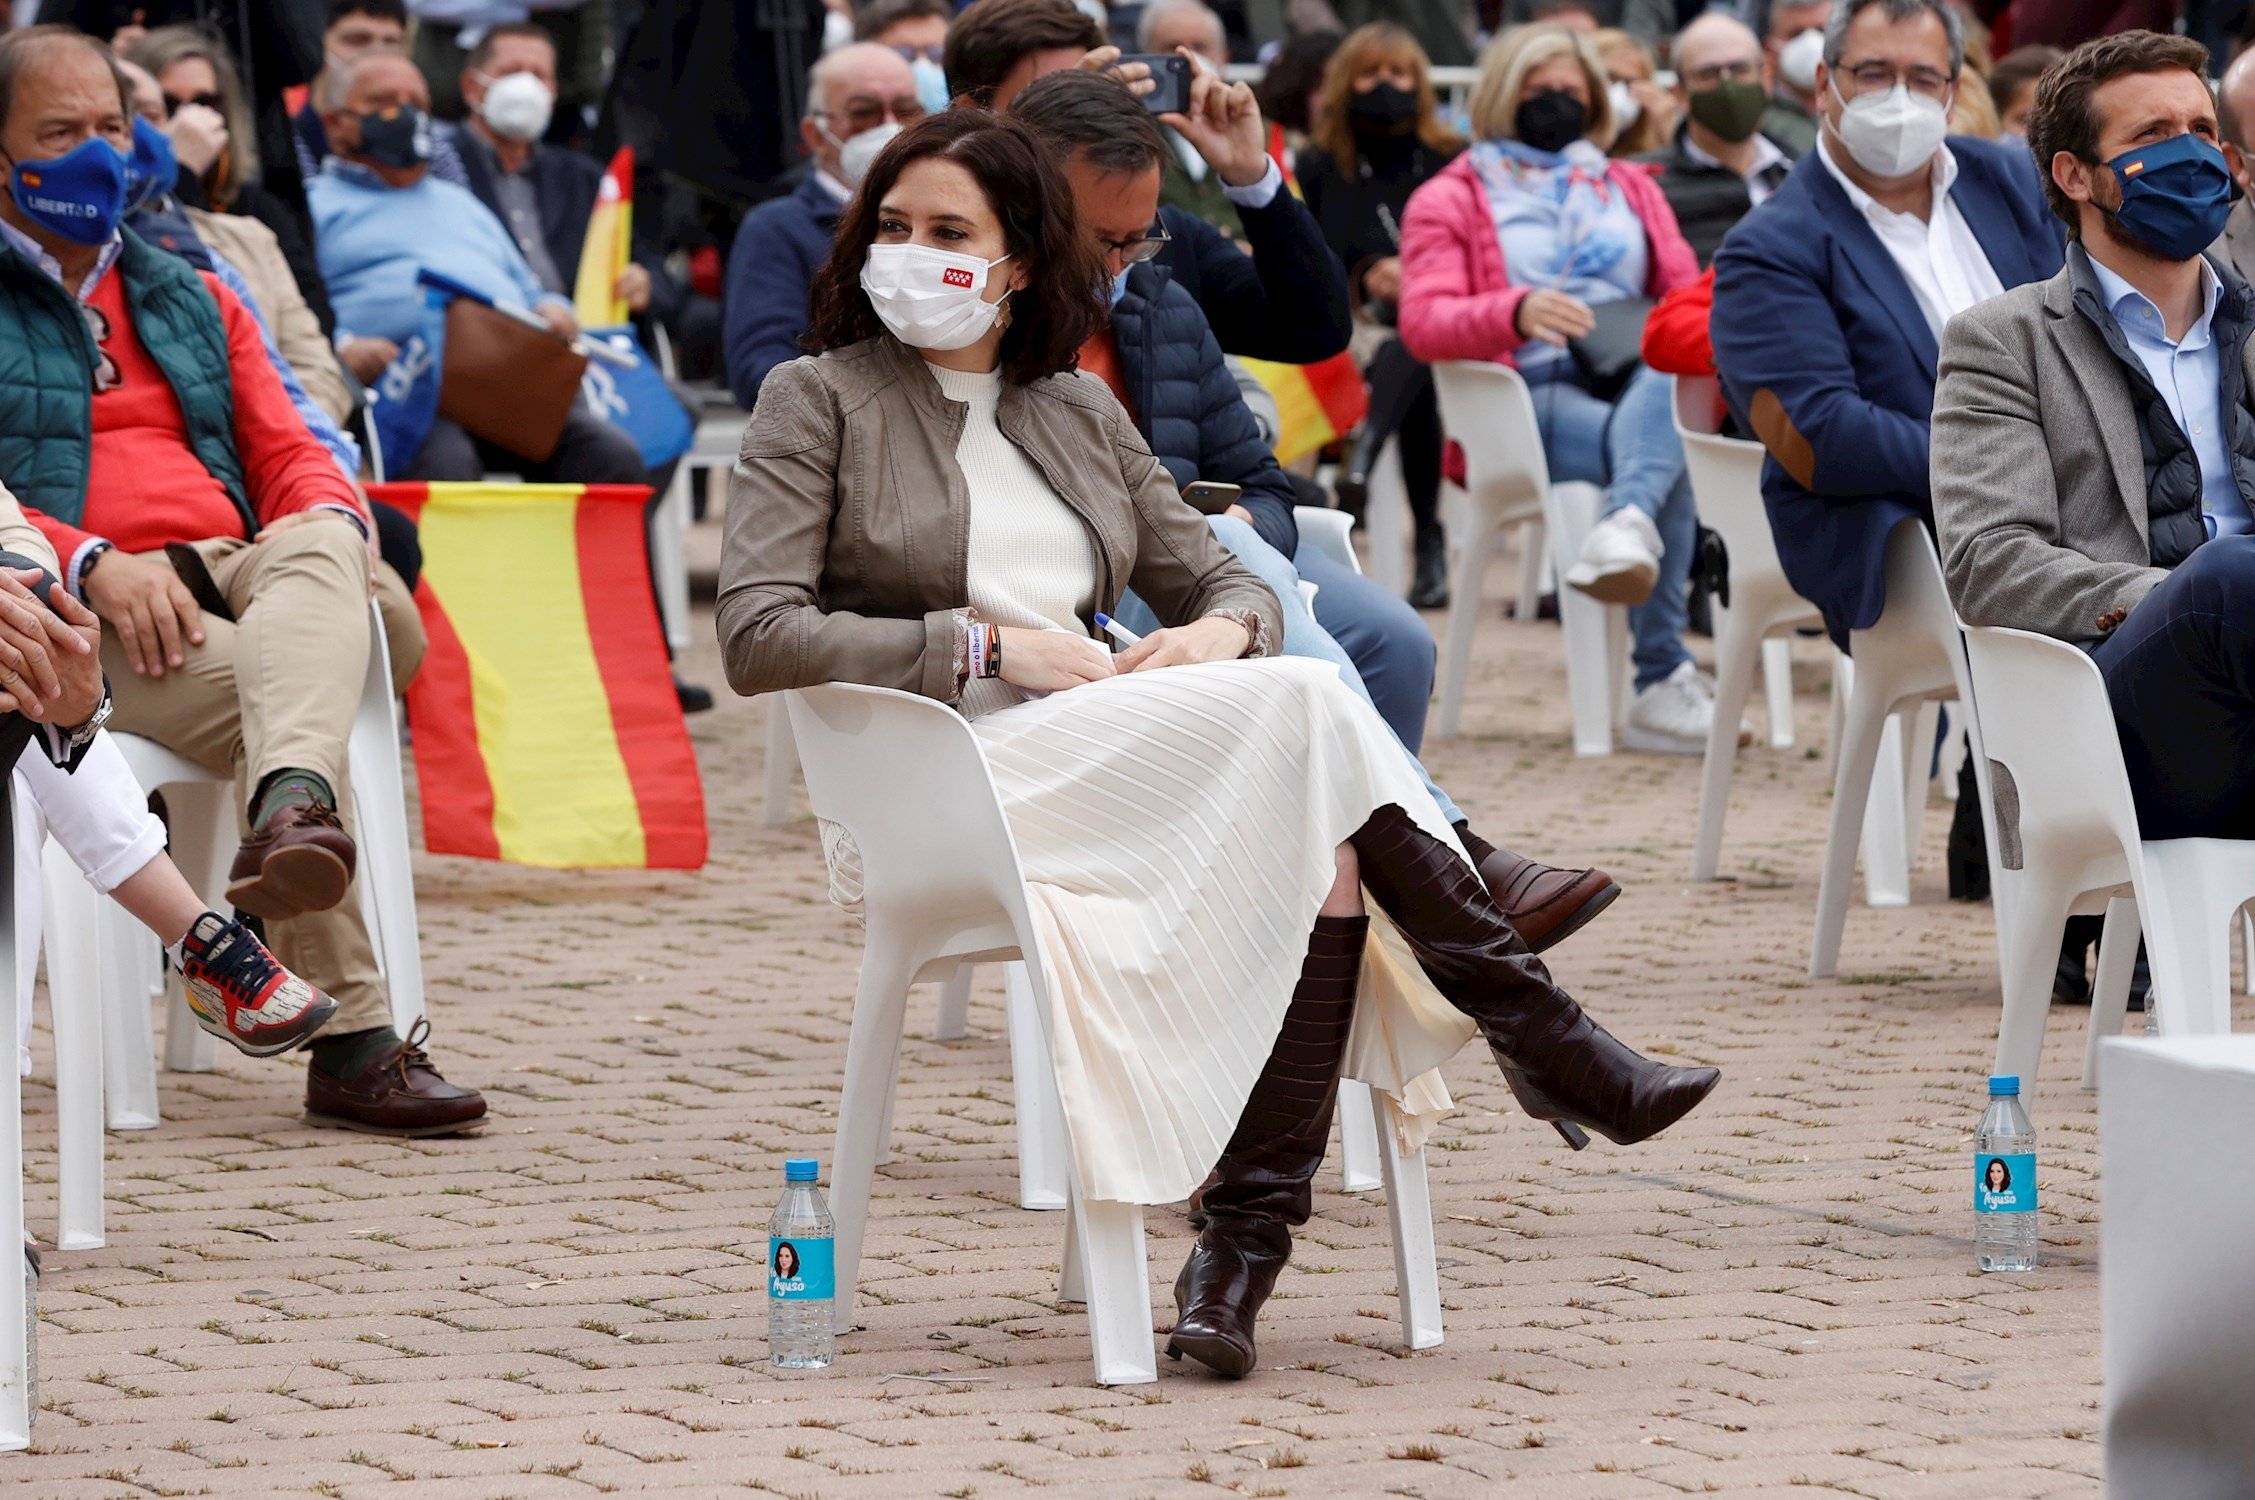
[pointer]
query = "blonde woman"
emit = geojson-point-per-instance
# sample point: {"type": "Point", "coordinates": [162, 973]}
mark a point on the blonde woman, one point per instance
{"type": "Point", "coordinates": [1644, 114]}
{"type": "Point", "coordinates": [1507, 255]}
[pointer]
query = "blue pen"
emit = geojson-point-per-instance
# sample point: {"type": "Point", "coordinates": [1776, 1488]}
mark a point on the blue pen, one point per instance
{"type": "Point", "coordinates": [1115, 629]}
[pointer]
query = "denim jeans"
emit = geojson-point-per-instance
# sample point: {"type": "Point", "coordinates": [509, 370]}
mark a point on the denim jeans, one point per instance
{"type": "Point", "coordinates": [1630, 446]}
{"type": "Point", "coordinates": [1302, 636]}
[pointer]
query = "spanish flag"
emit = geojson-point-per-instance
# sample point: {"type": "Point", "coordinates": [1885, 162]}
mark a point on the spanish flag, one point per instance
{"type": "Point", "coordinates": [608, 248]}
{"type": "Point", "coordinates": [545, 724]}
{"type": "Point", "coordinates": [1315, 403]}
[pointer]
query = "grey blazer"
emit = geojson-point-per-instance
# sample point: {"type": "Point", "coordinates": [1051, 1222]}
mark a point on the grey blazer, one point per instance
{"type": "Point", "coordinates": [2038, 469]}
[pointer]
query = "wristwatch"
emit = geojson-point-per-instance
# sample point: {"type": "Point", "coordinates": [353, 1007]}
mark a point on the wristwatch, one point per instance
{"type": "Point", "coordinates": [83, 735]}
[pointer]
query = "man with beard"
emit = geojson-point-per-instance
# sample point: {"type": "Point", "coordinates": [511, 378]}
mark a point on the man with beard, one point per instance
{"type": "Point", "coordinates": [2094, 447]}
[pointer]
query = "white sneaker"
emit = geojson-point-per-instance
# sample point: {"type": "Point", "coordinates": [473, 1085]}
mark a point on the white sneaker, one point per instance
{"type": "Point", "coordinates": [1620, 558]}
{"type": "Point", "coordinates": [1674, 715]}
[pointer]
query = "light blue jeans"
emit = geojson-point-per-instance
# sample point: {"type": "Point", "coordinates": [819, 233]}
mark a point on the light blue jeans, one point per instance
{"type": "Point", "coordinates": [1630, 446]}
{"type": "Point", "coordinates": [1302, 635]}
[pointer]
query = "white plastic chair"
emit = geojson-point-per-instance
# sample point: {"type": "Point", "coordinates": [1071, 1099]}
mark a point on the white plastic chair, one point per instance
{"type": "Point", "coordinates": [1488, 410]}
{"type": "Point", "coordinates": [942, 887]}
{"type": "Point", "coordinates": [15, 1403]}
{"type": "Point", "coordinates": [2066, 842]}
{"type": "Point", "coordinates": [719, 435]}
{"type": "Point", "coordinates": [1912, 656]}
{"type": "Point", "coordinates": [199, 805]}
{"type": "Point", "coordinates": [1757, 627]}
{"type": "Point", "coordinates": [1330, 532]}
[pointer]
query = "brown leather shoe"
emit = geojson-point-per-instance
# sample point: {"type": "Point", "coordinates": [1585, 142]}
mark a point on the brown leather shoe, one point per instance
{"type": "Point", "coordinates": [1544, 903]}
{"type": "Point", "coordinates": [400, 1093]}
{"type": "Point", "coordinates": [300, 860]}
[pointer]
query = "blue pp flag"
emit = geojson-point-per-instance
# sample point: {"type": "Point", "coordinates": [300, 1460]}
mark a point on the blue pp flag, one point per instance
{"type": "Point", "coordinates": [407, 391]}
{"type": "Point", "coordinates": [633, 393]}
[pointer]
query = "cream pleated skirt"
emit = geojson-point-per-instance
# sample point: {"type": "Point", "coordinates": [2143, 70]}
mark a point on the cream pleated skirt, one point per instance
{"type": "Point", "coordinates": [1177, 829]}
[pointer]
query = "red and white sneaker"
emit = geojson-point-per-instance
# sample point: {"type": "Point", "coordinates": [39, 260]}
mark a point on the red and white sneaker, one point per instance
{"type": "Point", "coordinates": [239, 992]}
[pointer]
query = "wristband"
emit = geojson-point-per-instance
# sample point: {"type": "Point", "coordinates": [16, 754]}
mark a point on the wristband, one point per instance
{"type": "Point", "coordinates": [986, 650]}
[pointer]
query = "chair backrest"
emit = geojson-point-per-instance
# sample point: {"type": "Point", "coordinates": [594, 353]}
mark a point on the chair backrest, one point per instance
{"type": "Point", "coordinates": [2045, 717]}
{"type": "Point", "coordinates": [1488, 409]}
{"type": "Point", "coordinates": [1329, 532]}
{"type": "Point", "coordinates": [905, 776]}
{"type": "Point", "coordinates": [1698, 401]}
{"type": "Point", "coordinates": [1726, 484]}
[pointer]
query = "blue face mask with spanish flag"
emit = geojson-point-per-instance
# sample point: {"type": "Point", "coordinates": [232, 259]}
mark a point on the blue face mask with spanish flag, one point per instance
{"type": "Point", "coordinates": [80, 195]}
{"type": "Point", "coordinates": [2176, 195]}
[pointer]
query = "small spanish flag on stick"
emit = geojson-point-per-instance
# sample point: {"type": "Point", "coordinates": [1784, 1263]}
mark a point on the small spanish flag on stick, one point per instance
{"type": "Point", "coordinates": [545, 723]}
{"type": "Point", "coordinates": [608, 248]}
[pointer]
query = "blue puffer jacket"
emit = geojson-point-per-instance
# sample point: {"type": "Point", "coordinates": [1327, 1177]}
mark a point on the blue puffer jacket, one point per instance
{"type": "Point", "coordinates": [1187, 406]}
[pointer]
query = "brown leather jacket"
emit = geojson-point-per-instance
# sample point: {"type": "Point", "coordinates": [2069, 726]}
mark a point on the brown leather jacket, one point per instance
{"type": "Point", "coordinates": [849, 526]}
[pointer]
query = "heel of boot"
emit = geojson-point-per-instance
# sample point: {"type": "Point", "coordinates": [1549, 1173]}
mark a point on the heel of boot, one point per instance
{"type": "Point", "coordinates": [1575, 1136]}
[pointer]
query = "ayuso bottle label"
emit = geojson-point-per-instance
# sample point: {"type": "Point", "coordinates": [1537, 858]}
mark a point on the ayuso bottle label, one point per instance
{"type": "Point", "coordinates": [2004, 1184]}
{"type": "Point", "coordinates": [800, 1270]}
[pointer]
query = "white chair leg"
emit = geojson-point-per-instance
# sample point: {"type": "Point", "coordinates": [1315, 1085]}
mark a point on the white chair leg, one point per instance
{"type": "Point", "coordinates": [1385, 519]}
{"type": "Point", "coordinates": [1738, 648]}
{"type": "Point", "coordinates": [1591, 670]}
{"type": "Point", "coordinates": [669, 526]}
{"type": "Point", "coordinates": [2188, 931]}
{"type": "Point", "coordinates": [1116, 1286]}
{"type": "Point", "coordinates": [782, 766]}
{"type": "Point", "coordinates": [2247, 949]}
{"type": "Point", "coordinates": [1777, 689]}
{"type": "Point", "coordinates": [1358, 1137]}
{"type": "Point", "coordinates": [203, 845]}
{"type": "Point", "coordinates": [15, 1402]}
{"type": "Point", "coordinates": [1922, 729]}
{"type": "Point", "coordinates": [1045, 1151]}
{"type": "Point", "coordinates": [2110, 991]}
{"type": "Point", "coordinates": [953, 1017]}
{"type": "Point", "coordinates": [386, 874]}
{"type": "Point", "coordinates": [1464, 616]}
{"type": "Point", "coordinates": [1529, 603]}
{"type": "Point", "coordinates": [1855, 749]}
{"type": "Point", "coordinates": [1416, 1270]}
{"type": "Point", "coordinates": [74, 1002]}
{"type": "Point", "coordinates": [1885, 821]}
{"type": "Point", "coordinates": [880, 1008]}
{"type": "Point", "coordinates": [124, 977]}
{"type": "Point", "coordinates": [2031, 918]}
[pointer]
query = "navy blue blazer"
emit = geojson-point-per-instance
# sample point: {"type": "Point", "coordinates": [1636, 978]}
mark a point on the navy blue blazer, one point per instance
{"type": "Point", "coordinates": [1825, 356]}
{"type": "Point", "coordinates": [764, 297]}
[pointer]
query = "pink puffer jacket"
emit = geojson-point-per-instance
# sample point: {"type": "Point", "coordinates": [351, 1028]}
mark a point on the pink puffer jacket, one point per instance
{"type": "Point", "coordinates": [1457, 299]}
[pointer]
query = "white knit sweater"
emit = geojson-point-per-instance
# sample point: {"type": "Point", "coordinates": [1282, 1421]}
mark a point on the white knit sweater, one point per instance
{"type": "Point", "coordinates": [1031, 563]}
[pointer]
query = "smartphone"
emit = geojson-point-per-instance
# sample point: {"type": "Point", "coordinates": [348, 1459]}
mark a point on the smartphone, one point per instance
{"type": "Point", "coordinates": [1170, 71]}
{"type": "Point", "coordinates": [1209, 498]}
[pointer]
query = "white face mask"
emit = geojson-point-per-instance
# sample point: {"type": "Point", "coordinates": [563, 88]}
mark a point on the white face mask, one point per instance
{"type": "Point", "coordinates": [1892, 134]}
{"type": "Point", "coordinates": [859, 152]}
{"type": "Point", "coordinates": [517, 106]}
{"type": "Point", "coordinates": [1626, 106]}
{"type": "Point", "coordinates": [930, 299]}
{"type": "Point", "coordinates": [1797, 60]}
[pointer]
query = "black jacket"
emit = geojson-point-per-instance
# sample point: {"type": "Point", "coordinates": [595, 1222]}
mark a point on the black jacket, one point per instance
{"type": "Point", "coordinates": [1286, 302]}
{"type": "Point", "coordinates": [566, 183]}
{"type": "Point", "coordinates": [1186, 404]}
{"type": "Point", "coordinates": [1361, 216]}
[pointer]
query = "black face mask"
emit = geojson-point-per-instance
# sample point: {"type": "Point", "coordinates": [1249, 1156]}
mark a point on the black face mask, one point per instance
{"type": "Point", "coordinates": [1385, 110]}
{"type": "Point", "coordinates": [398, 137]}
{"type": "Point", "coordinates": [1551, 120]}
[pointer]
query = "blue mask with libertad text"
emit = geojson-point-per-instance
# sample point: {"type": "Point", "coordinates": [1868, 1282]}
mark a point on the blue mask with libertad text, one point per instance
{"type": "Point", "coordinates": [79, 195]}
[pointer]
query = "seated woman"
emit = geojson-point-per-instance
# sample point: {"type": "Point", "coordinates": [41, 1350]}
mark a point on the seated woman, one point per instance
{"type": "Point", "coordinates": [937, 502]}
{"type": "Point", "coordinates": [1504, 256]}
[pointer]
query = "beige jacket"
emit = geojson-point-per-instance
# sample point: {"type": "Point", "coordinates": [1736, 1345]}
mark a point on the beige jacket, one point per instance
{"type": "Point", "coordinates": [19, 536]}
{"type": "Point", "coordinates": [849, 526]}
{"type": "Point", "coordinates": [2038, 468]}
{"type": "Point", "coordinates": [250, 247]}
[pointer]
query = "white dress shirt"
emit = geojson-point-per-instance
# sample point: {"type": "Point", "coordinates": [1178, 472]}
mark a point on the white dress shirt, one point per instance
{"type": "Point", "coordinates": [1946, 267]}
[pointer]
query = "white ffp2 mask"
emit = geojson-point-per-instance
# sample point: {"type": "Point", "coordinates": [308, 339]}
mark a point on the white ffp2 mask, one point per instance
{"type": "Point", "coordinates": [518, 106]}
{"type": "Point", "coordinates": [930, 299]}
{"type": "Point", "coordinates": [858, 153]}
{"type": "Point", "coordinates": [1797, 60]}
{"type": "Point", "coordinates": [1892, 134]}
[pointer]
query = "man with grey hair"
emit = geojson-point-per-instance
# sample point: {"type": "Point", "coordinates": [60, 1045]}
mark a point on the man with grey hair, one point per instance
{"type": "Point", "coordinates": [858, 98]}
{"type": "Point", "coordinates": [1831, 297]}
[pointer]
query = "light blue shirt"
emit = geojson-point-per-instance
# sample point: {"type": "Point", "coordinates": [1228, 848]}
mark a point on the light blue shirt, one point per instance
{"type": "Point", "coordinates": [2189, 375]}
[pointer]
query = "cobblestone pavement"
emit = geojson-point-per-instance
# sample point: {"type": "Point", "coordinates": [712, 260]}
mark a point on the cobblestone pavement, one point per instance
{"type": "Point", "coordinates": [1777, 1294]}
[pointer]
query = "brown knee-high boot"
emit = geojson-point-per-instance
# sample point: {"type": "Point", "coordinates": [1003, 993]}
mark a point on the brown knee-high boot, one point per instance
{"type": "Point", "coordinates": [1260, 1188]}
{"type": "Point", "coordinates": [1563, 1067]}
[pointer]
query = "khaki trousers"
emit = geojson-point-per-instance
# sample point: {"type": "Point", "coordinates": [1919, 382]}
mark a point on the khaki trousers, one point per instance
{"type": "Point", "coordinates": [277, 689]}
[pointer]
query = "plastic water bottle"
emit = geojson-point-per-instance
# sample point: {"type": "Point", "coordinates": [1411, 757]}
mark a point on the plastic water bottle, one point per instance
{"type": "Point", "coordinates": [801, 1282]}
{"type": "Point", "coordinates": [2004, 1182]}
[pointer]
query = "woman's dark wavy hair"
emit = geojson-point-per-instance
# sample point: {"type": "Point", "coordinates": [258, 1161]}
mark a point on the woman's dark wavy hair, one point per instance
{"type": "Point", "coordinates": [1058, 308]}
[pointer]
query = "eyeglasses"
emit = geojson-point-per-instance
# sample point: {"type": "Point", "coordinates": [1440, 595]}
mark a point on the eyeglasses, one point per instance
{"type": "Point", "coordinates": [1745, 70]}
{"type": "Point", "coordinates": [863, 113]}
{"type": "Point", "coordinates": [173, 103]}
{"type": "Point", "coordinates": [1143, 247]}
{"type": "Point", "coordinates": [932, 53]}
{"type": "Point", "coordinates": [1879, 77]}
